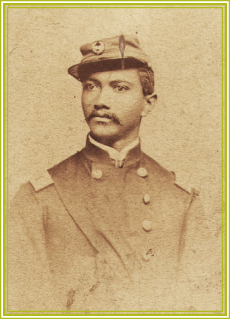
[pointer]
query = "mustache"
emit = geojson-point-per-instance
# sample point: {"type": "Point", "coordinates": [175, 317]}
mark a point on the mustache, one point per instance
{"type": "Point", "coordinates": [103, 114]}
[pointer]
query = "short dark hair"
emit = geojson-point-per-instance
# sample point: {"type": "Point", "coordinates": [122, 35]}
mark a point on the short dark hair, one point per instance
{"type": "Point", "coordinates": [147, 80]}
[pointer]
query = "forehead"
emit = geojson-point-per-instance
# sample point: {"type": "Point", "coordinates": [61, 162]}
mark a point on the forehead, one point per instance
{"type": "Point", "coordinates": [130, 75]}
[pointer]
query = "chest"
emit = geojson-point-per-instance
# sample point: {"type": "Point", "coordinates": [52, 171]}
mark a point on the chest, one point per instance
{"type": "Point", "coordinates": [140, 206]}
{"type": "Point", "coordinates": [120, 214]}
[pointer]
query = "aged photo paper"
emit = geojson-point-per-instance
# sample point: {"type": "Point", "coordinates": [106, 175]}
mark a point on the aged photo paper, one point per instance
{"type": "Point", "coordinates": [115, 148]}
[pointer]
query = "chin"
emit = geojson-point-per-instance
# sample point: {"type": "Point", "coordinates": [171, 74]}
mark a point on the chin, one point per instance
{"type": "Point", "coordinates": [101, 132]}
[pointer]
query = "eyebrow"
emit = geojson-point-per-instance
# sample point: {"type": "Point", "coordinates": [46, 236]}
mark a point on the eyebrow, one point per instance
{"type": "Point", "coordinates": [111, 83]}
{"type": "Point", "coordinates": [120, 81]}
{"type": "Point", "coordinates": [93, 80]}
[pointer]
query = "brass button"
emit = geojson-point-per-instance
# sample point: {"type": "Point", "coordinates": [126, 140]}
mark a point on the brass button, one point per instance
{"type": "Point", "coordinates": [146, 198]}
{"type": "Point", "coordinates": [148, 255]}
{"type": "Point", "coordinates": [96, 173]}
{"type": "Point", "coordinates": [142, 172]}
{"type": "Point", "coordinates": [147, 225]}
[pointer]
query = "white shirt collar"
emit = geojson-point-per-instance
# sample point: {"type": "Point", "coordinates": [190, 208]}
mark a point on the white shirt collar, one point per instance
{"type": "Point", "coordinates": [113, 153]}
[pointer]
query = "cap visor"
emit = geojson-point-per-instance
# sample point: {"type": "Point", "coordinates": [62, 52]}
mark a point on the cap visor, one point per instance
{"type": "Point", "coordinates": [81, 71]}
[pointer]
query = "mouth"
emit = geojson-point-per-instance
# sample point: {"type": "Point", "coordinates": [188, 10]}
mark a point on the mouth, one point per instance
{"type": "Point", "coordinates": [103, 117]}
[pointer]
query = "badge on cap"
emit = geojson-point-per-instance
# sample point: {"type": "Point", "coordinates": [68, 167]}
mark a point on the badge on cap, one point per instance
{"type": "Point", "coordinates": [98, 47]}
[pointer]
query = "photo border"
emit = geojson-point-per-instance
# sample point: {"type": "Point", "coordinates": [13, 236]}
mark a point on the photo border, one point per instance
{"type": "Point", "coordinates": [5, 7]}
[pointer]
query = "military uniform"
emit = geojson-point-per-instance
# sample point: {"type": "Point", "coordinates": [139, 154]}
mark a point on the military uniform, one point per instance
{"type": "Point", "coordinates": [96, 233]}
{"type": "Point", "coordinates": [100, 231]}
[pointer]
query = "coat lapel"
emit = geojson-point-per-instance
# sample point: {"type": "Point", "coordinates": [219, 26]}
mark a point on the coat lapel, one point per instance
{"type": "Point", "coordinates": [74, 185]}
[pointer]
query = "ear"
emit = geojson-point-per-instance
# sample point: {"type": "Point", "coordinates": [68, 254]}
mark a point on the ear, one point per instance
{"type": "Point", "coordinates": [150, 101]}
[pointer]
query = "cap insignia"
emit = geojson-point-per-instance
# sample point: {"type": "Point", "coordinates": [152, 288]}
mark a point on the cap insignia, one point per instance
{"type": "Point", "coordinates": [98, 47]}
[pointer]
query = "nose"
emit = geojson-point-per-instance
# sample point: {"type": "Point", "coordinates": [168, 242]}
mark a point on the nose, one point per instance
{"type": "Point", "coordinates": [100, 106]}
{"type": "Point", "coordinates": [103, 100]}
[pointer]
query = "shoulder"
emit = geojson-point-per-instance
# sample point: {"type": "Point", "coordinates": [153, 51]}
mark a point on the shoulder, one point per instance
{"type": "Point", "coordinates": [67, 167]}
{"type": "Point", "coordinates": [43, 179]}
{"type": "Point", "coordinates": [32, 196]}
{"type": "Point", "coordinates": [30, 192]}
{"type": "Point", "coordinates": [25, 196]}
{"type": "Point", "coordinates": [156, 169]}
{"type": "Point", "coordinates": [182, 180]}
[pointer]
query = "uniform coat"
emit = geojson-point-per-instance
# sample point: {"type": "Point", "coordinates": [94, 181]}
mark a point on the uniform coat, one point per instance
{"type": "Point", "coordinates": [130, 239]}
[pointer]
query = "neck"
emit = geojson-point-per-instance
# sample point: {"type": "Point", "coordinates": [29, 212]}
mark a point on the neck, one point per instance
{"type": "Point", "coordinates": [114, 143]}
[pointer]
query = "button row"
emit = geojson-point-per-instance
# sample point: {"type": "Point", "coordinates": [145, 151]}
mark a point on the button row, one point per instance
{"type": "Point", "coordinates": [147, 224]}
{"type": "Point", "coordinates": [97, 173]}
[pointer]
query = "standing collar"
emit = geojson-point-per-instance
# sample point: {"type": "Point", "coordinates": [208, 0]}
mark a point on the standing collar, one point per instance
{"type": "Point", "coordinates": [99, 153]}
{"type": "Point", "coordinates": [113, 153]}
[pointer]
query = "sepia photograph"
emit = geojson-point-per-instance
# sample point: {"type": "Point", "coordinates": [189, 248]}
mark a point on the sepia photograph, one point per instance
{"type": "Point", "coordinates": [115, 149]}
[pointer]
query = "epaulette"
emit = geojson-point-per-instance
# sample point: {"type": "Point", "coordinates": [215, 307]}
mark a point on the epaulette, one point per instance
{"type": "Point", "coordinates": [186, 181]}
{"type": "Point", "coordinates": [41, 181]}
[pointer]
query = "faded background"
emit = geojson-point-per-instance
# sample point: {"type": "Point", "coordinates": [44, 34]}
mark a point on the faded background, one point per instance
{"type": "Point", "coordinates": [183, 132]}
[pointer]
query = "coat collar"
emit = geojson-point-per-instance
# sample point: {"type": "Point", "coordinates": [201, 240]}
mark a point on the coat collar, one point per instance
{"type": "Point", "coordinates": [113, 153]}
{"type": "Point", "coordinates": [97, 155]}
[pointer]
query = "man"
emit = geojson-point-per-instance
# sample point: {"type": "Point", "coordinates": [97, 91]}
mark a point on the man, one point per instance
{"type": "Point", "coordinates": [109, 228]}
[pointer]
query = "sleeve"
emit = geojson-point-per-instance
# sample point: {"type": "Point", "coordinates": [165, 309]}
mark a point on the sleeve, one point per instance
{"type": "Point", "coordinates": [200, 273]}
{"type": "Point", "coordinates": [27, 271]}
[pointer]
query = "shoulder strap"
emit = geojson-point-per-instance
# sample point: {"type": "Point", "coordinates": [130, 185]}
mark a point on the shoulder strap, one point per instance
{"type": "Point", "coordinates": [185, 181]}
{"type": "Point", "coordinates": [41, 181]}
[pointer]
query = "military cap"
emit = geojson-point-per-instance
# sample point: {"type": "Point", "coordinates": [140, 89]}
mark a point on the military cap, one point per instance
{"type": "Point", "coordinates": [120, 52]}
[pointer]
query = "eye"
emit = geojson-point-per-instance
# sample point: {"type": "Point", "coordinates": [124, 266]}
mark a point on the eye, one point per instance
{"type": "Point", "coordinates": [89, 86]}
{"type": "Point", "coordinates": [121, 88]}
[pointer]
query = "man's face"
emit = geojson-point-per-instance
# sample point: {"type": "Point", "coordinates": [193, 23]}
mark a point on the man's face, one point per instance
{"type": "Point", "coordinates": [113, 103]}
